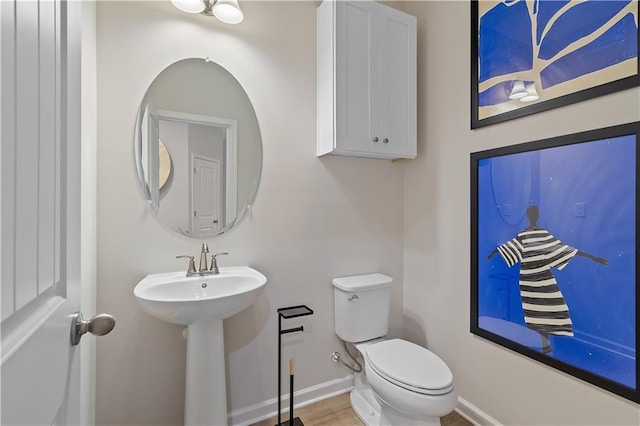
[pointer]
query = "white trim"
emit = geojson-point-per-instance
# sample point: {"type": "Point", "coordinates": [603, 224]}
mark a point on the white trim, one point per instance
{"type": "Point", "coordinates": [303, 397]}
{"type": "Point", "coordinates": [185, 117]}
{"type": "Point", "coordinates": [473, 414]}
{"type": "Point", "coordinates": [267, 409]}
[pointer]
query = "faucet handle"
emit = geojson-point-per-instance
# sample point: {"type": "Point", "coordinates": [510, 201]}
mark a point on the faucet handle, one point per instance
{"type": "Point", "coordinates": [191, 269]}
{"type": "Point", "coordinates": [214, 262]}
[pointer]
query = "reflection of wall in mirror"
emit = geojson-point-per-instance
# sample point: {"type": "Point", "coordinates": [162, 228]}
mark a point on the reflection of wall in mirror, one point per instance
{"type": "Point", "coordinates": [175, 194]}
{"type": "Point", "coordinates": [214, 94]}
{"type": "Point", "coordinates": [185, 140]}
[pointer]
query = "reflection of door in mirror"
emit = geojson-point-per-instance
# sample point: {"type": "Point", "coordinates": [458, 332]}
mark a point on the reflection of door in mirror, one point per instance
{"type": "Point", "coordinates": [207, 145]}
{"type": "Point", "coordinates": [205, 197]}
{"type": "Point", "coordinates": [202, 192]}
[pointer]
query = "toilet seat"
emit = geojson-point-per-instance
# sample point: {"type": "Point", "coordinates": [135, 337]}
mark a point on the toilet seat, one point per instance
{"type": "Point", "coordinates": [410, 366]}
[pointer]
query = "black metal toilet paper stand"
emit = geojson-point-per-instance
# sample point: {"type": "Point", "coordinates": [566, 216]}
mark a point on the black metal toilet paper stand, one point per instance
{"type": "Point", "coordinates": [287, 313]}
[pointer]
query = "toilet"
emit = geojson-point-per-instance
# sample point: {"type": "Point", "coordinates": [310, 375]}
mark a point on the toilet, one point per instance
{"type": "Point", "coordinates": [402, 383]}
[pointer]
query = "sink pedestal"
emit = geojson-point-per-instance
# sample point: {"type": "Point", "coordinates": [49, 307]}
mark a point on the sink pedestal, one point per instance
{"type": "Point", "coordinates": [201, 303]}
{"type": "Point", "coordinates": [206, 389]}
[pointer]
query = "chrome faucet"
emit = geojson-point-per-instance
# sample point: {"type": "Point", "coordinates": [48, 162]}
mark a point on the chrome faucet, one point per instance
{"type": "Point", "coordinates": [203, 257]}
{"type": "Point", "coordinates": [204, 267]}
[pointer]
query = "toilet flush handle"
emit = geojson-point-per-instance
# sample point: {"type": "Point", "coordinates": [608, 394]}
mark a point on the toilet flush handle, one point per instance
{"type": "Point", "coordinates": [353, 298]}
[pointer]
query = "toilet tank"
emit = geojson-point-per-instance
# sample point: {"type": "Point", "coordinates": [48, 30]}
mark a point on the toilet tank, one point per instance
{"type": "Point", "coordinates": [361, 304]}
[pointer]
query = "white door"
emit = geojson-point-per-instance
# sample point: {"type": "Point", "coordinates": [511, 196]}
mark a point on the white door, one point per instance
{"type": "Point", "coordinates": [398, 87]}
{"type": "Point", "coordinates": [357, 80]}
{"type": "Point", "coordinates": [206, 197]}
{"type": "Point", "coordinates": [39, 211]}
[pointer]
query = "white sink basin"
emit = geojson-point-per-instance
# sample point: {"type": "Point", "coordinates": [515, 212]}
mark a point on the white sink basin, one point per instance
{"type": "Point", "coordinates": [184, 300]}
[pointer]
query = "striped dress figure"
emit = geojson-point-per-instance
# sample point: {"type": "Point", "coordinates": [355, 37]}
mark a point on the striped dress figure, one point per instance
{"type": "Point", "coordinates": [545, 309]}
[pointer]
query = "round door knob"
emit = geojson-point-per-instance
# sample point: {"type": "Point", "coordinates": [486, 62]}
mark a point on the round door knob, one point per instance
{"type": "Point", "coordinates": [385, 140]}
{"type": "Point", "coordinates": [98, 325]}
{"type": "Point", "coordinates": [375, 139]}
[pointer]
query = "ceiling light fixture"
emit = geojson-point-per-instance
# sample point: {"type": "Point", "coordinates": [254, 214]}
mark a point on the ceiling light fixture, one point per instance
{"type": "Point", "coordinates": [227, 11]}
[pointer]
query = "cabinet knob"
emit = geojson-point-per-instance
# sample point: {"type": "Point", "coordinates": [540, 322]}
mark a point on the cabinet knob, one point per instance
{"type": "Point", "coordinates": [385, 140]}
{"type": "Point", "coordinates": [375, 139]}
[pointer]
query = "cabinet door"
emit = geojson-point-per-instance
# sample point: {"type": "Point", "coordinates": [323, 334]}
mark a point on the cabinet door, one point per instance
{"type": "Point", "coordinates": [357, 78]}
{"type": "Point", "coordinates": [398, 115]}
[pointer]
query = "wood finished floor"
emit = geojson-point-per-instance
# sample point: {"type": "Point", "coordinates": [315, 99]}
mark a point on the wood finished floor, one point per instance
{"type": "Point", "coordinates": [337, 411]}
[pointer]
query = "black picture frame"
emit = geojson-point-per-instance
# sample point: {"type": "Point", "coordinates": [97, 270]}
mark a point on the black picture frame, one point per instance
{"type": "Point", "coordinates": [505, 58]}
{"type": "Point", "coordinates": [581, 189]}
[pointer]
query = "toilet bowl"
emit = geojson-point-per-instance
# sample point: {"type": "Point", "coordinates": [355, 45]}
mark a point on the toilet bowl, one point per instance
{"type": "Point", "coordinates": [412, 385]}
{"type": "Point", "coordinates": [403, 384]}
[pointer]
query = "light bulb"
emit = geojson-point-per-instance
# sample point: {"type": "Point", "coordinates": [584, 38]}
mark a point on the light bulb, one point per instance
{"type": "Point", "coordinates": [189, 6]}
{"type": "Point", "coordinates": [228, 11]}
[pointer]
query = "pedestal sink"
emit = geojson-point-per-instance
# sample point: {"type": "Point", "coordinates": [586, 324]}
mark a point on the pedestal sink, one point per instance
{"type": "Point", "coordinates": [201, 303]}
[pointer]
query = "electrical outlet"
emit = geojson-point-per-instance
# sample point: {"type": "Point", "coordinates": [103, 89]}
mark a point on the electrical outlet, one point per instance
{"type": "Point", "coordinates": [581, 209]}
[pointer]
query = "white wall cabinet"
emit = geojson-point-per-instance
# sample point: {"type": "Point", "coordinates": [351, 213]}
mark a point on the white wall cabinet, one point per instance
{"type": "Point", "coordinates": [366, 80]}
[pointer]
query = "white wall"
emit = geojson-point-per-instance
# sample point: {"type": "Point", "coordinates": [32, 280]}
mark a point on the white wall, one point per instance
{"type": "Point", "coordinates": [313, 219]}
{"type": "Point", "coordinates": [510, 388]}
{"type": "Point", "coordinates": [208, 141]}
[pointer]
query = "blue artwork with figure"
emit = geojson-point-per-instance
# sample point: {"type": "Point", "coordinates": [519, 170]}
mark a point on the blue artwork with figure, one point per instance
{"type": "Point", "coordinates": [555, 245]}
{"type": "Point", "coordinates": [553, 47]}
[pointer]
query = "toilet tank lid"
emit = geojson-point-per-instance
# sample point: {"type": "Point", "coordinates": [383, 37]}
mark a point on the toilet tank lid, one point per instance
{"type": "Point", "coordinates": [363, 282]}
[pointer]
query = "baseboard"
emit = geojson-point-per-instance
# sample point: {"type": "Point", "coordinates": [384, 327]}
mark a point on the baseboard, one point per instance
{"type": "Point", "coordinates": [303, 397]}
{"type": "Point", "coordinates": [474, 415]}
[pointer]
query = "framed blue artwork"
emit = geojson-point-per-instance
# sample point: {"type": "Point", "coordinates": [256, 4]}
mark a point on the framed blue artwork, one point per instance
{"type": "Point", "coordinates": [529, 56]}
{"type": "Point", "coordinates": [554, 250]}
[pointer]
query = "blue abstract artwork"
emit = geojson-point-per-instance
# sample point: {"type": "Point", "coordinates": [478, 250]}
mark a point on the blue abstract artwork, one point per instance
{"type": "Point", "coordinates": [530, 52]}
{"type": "Point", "coordinates": [554, 253]}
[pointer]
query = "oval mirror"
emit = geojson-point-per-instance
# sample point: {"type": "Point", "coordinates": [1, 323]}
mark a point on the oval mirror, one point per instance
{"type": "Point", "coordinates": [198, 148]}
